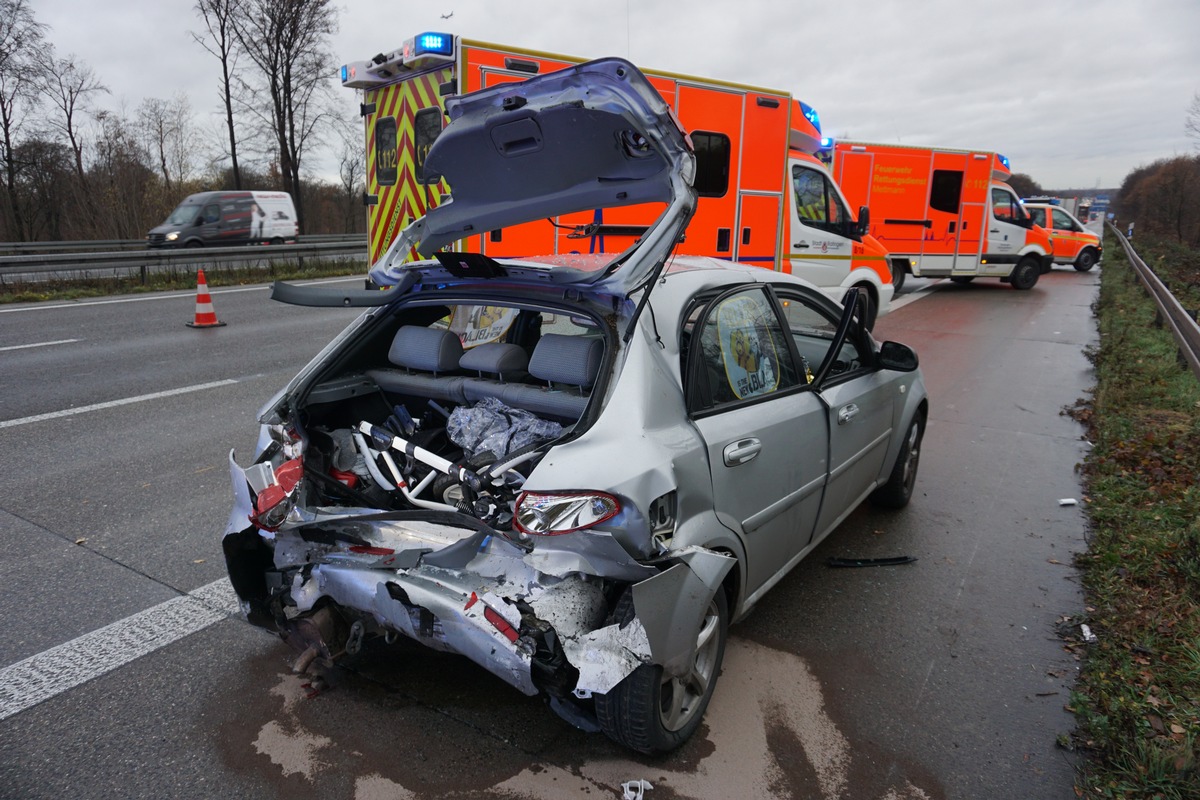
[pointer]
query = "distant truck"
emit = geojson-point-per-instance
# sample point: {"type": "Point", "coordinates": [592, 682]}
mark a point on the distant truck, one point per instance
{"type": "Point", "coordinates": [228, 218]}
{"type": "Point", "coordinates": [764, 199]}
{"type": "Point", "coordinates": [1073, 243]}
{"type": "Point", "coordinates": [943, 213]}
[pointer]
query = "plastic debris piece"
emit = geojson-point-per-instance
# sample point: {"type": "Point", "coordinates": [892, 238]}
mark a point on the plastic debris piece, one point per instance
{"type": "Point", "coordinates": [1068, 501]}
{"type": "Point", "coordinates": [1087, 634]}
{"type": "Point", "coordinates": [870, 562]}
{"type": "Point", "coordinates": [634, 790]}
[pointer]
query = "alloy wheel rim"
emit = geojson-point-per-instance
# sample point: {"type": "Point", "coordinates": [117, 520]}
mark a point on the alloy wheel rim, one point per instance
{"type": "Point", "coordinates": [680, 697]}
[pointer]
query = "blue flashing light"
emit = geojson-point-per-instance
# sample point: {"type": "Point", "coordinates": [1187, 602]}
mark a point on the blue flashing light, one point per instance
{"type": "Point", "coordinates": [826, 141]}
{"type": "Point", "coordinates": [811, 115]}
{"type": "Point", "coordinates": [440, 44]}
{"type": "Point", "coordinates": [1004, 161]}
{"type": "Point", "coordinates": [345, 73]}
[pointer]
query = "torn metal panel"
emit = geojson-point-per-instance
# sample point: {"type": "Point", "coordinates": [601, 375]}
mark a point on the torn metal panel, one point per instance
{"type": "Point", "coordinates": [605, 657]}
{"type": "Point", "coordinates": [672, 605]}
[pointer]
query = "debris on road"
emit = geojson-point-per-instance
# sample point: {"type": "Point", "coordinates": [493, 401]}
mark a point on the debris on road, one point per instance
{"type": "Point", "coordinates": [1087, 634]}
{"type": "Point", "coordinates": [634, 790]}
{"type": "Point", "coordinates": [870, 562]}
{"type": "Point", "coordinates": [1068, 501]}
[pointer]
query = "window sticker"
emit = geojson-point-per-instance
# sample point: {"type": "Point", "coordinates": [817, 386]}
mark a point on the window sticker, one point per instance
{"type": "Point", "coordinates": [743, 325]}
{"type": "Point", "coordinates": [476, 325]}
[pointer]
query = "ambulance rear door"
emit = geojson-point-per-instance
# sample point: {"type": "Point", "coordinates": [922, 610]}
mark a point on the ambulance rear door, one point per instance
{"type": "Point", "coordinates": [955, 214]}
{"type": "Point", "coordinates": [401, 120]}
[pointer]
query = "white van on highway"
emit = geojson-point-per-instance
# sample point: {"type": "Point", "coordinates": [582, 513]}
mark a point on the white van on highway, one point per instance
{"type": "Point", "coordinates": [228, 218]}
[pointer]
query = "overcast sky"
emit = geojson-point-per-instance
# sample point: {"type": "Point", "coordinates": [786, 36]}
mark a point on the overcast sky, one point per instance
{"type": "Point", "coordinates": [1075, 92]}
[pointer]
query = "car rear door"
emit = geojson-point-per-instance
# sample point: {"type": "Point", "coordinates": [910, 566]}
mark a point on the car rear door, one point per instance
{"type": "Point", "coordinates": [766, 432]}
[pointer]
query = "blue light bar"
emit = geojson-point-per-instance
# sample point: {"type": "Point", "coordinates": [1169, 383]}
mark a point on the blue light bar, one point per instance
{"type": "Point", "coordinates": [440, 44]}
{"type": "Point", "coordinates": [826, 141]}
{"type": "Point", "coordinates": [345, 73]}
{"type": "Point", "coordinates": [1004, 161]}
{"type": "Point", "coordinates": [811, 115]}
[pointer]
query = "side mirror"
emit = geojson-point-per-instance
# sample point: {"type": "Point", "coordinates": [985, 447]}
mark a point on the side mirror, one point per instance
{"type": "Point", "coordinates": [896, 356]}
{"type": "Point", "coordinates": [864, 220]}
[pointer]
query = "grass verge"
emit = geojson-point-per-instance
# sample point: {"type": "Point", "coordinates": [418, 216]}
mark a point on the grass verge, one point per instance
{"type": "Point", "coordinates": [120, 281]}
{"type": "Point", "coordinates": [1138, 700]}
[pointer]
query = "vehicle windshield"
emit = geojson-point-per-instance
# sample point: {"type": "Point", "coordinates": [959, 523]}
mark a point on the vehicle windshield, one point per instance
{"type": "Point", "coordinates": [184, 215]}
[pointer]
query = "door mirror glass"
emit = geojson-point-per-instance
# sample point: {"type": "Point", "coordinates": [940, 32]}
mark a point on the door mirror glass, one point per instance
{"type": "Point", "coordinates": [896, 356]}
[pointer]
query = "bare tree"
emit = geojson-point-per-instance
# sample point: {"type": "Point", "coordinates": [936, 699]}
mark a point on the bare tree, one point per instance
{"type": "Point", "coordinates": [218, 16]}
{"type": "Point", "coordinates": [71, 85]}
{"type": "Point", "coordinates": [1191, 124]}
{"type": "Point", "coordinates": [352, 171]}
{"type": "Point", "coordinates": [22, 40]}
{"type": "Point", "coordinates": [288, 42]}
{"type": "Point", "coordinates": [169, 136]}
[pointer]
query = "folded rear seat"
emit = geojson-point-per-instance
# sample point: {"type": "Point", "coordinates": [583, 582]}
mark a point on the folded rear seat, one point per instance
{"type": "Point", "coordinates": [568, 365]}
{"type": "Point", "coordinates": [428, 360]}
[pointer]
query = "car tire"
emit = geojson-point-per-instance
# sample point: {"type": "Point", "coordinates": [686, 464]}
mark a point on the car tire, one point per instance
{"type": "Point", "coordinates": [1025, 275]}
{"type": "Point", "coordinates": [962, 280]}
{"type": "Point", "coordinates": [899, 487]}
{"type": "Point", "coordinates": [899, 273]}
{"type": "Point", "coordinates": [276, 241]}
{"type": "Point", "coordinates": [870, 309]}
{"type": "Point", "coordinates": [652, 714]}
{"type": "Point", "coordinates": [1086, 260]}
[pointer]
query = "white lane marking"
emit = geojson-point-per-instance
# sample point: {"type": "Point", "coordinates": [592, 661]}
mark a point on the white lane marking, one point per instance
{"type": "Point", "coordinates": [36, 344]}
{"type": "Point", "coordinates": [70, 412]}
{"type": "Point", "coordinates": [910, 297]}
{"type": "Point", "coordinates": [54, 671]}
{"type": "Point", "coordinates": [189, 295]}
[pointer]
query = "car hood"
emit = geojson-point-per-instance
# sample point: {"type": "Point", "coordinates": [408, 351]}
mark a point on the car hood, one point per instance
{"type": "Point", "coordinates": [596, 135]}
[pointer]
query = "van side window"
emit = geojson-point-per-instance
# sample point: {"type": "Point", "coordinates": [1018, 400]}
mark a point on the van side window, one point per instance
{"type": "Point", "coordinates": [817, 205]}
{"type": "Point", "coordinates": [712, 163]}
{"type": "Point", "coordinates": [945, 190]}
{"type": "Point", "coordinates": [1039, 216]}
{"type": "Point", "coordinates": [1063, 222]}
{"type": "Point", "coordinates": [212, 213]}
{"type": "Point", "coordinates": [385, 151]}
{"type": "Point", "coordinates": [1005, 206]}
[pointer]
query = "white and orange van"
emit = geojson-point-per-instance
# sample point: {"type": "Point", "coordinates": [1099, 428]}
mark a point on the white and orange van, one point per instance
{"type": "Point", "coordinates": [943, 213]}
{"type": "Point", "coordinates": [764, 197]}
{"type": "Point", "coordinates": [1073, 243]}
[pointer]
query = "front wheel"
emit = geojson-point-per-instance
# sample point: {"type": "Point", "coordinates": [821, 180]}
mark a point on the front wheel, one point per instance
{"type": "Point", "coordinates": [1086, 260]}
{"type": "Point", "coordinates": [654, 713]}
{"type": "Point", "coordinates": [899, 273]}
{"type": "Point", "coordinates": [1025, 275]}
{"type": "Point", "coordinates": [899, 488]}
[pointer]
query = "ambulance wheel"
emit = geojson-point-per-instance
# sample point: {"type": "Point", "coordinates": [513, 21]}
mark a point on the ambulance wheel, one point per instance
{"type": "Point", "coordinates": [870, 307]}
{"type": "Point", "coordinates": [1086, 260]}
{"type": "Point", "coordinates": [1025, 275]}
{"type": "Point", "coordinates": [652, 713]}
{"type": "Point", "coordinates": [962, 280]}
{"type": "Point", "coordinates": [898, 276]}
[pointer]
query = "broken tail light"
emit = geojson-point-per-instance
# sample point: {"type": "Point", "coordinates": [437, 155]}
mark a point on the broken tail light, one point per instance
{"type": "Point", "coordinates": [275, 500]}
{"type": "Point", "coordinates": [554, 513]}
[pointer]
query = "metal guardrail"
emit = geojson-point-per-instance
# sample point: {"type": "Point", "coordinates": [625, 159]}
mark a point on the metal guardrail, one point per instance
{"type": "Point", "coordinates": [1183, 325]}
{"type": "Point", "coordinates": [13, 266]}
{"type": "Point", "coordinates": [108, 245]}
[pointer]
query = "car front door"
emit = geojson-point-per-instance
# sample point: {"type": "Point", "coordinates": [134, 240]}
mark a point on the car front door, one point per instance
{"type": "Point", "coordinates": [858, 397]}
{"type": "Point", "coordinates": [765, 430]}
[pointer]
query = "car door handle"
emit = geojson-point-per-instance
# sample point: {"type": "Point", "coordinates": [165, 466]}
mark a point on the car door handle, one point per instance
{"type": "Point", "coordinates": [847, 413]}
{"type": "Point", "coordinates": [993, 230]}
{"type": "Point", "coordinates": [800, 246]}
{"type": "Point", "coordinates": [741, 451]}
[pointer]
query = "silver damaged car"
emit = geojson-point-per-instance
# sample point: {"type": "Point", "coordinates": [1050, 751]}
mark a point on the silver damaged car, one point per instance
{"type": "Point", "coordinates": [575, 470]}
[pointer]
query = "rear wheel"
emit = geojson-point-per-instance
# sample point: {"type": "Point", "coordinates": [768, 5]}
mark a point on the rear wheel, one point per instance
{"type": "Point", "coordinates": [870, 309]}
{"type": "Point", "coordinates": [899, 273]}
{"type": "Point", "coordinates": [1086, 260]}
{"type": "Point", "coordinates": [276, 241]}
{"type": "Point", "coordinates": [654, 713]}
{"type": "Point", "coordinates": [899, 488]}
{"type": "Point", "coordinates": [1026, 273]}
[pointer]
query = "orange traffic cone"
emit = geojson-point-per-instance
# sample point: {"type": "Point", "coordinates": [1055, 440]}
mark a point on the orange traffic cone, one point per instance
{"type": "Point", "coordinates": [205, 316]}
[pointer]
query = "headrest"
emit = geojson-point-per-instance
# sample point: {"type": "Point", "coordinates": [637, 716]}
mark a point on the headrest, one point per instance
{"type": "Point", "coordinates": [426, 349]}
{"type": "Point", "coordinates": [573, 360]}
{"type": "Point", "coordinates": [495, 358]}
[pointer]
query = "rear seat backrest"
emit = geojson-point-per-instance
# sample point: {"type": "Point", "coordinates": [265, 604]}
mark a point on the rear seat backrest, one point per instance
{"type": "Point", "coordinates": [507, 362]}
{"type": "Point", "coordinates": [427, 357]}
{"type": "Point", "coordinates": [569, 366]}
